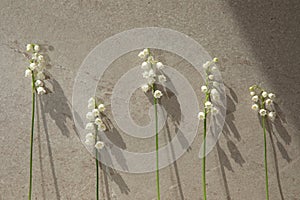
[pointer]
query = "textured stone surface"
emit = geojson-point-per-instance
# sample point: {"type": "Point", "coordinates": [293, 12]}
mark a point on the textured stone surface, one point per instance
{"type": "Point", "coordinates": [256, 41]}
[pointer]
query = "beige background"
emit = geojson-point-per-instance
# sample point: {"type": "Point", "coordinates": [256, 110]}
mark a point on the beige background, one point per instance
{"type": "Point", "coordinates": [257, 42]}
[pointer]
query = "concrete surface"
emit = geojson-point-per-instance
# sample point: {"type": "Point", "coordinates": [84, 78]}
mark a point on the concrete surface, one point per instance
{"type": "Point", "coordinates": [256, 41]}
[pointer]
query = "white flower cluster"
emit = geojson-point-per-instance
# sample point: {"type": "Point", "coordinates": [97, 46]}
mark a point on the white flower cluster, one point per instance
{"type": "Point", "coordinates": [209, 89]}
{"type": "Point", "coordinates": [263, 102]}
{"type": "Point", "coordinates": [95, 122]}
{"type": "Point", "coordinates": [36, 67]}
{"type": "Point", "coordinates": [152, 72]}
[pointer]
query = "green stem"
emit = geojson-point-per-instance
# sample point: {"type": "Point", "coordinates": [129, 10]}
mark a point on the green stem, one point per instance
{"type": "Point", "coordinates": [204, 150]}
{"type": "Point", "coordinates": [96, 158]}
{"type": "Point", "coordinates": [156, 138]}
{"type": "Point", "coordinates": [204, 160]}
{"type": "Point", "coordinates": [31, 137]}
{"type": "Point", "coordinates": [97, 169]}
{"type": "Point", "coordinates": [266, 163]}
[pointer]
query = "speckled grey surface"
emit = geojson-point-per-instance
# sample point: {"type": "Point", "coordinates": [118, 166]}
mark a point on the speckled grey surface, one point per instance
{"type": "Point", "coordinates": [256, 41]}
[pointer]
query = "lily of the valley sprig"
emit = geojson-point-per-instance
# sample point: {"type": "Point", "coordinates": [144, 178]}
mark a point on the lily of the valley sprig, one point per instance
{"type": "Point", "coordinates": [35, 70]}
{"type": "Point", "coordinates": [153, 74]}
{"type": "Point", "coordinates": [211, 93]}
{"type": "Point", "coordinates": [263, 104]}
{"type": "Point", "coordinates": [95, 123]}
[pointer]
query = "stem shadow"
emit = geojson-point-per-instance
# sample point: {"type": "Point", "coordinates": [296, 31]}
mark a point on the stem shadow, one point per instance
{"type": "Point", "coordinates": [40, 150]}
{"type": "Point", "coordinates": [172, 107]}
{"type": "Point", "coordinates": [224, 162]}
{"type": "Point", "coordinates": [284, 135]}
{"type": "Point", "coordinates": [231, 133]}
{"type": "Point", "coordinates": [52, 165]}
{"type": "Point", "coordinates": [112, 137]}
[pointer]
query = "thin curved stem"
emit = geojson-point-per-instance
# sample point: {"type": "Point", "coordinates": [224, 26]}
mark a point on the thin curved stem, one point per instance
{"type": "Point", "coordinates": [204, 150]}
{"type": "Point", "coordinates": [204, 158]}
{"type": "Point", "coordinates": [157, 159]}
{"type": "Point", "coordinates": [96, 159]}
{"type": "Point", "coordinates": [97, 170]}
{"type": "Point", "coordinates": [31, 137]}
{"type": "Point", "coordinates": [265, 152]}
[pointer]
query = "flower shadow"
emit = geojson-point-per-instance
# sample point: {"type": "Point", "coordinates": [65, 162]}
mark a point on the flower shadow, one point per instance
{"type": "Point", "coordinates": [41, 109]}
{"type": "Point", "coordinates": [173, 115]}
{"type": "Point", "coordinates": [45, 105]}
{"type": "Point", "coordinates": [172, 107]}
{"type": "Point", "coordinates": [112, 137]}
{"type": "Point", "coordinates": [58, 107]}
{"type": "Point", "coordinates": [230, 128]}
{"type": "Point", "coordinates": [277, 130]}
{"type": "Point", "coordinates": [231, 133]}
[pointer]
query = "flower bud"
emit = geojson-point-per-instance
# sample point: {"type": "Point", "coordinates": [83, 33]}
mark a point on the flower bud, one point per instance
{"type": "Point", "coordinates": [262, 112]}
{"type": "Point", "coordinates": [255, 98]}
{"type": "Point", "coordinates": [90, 116]}
{"type": "Point", "coordinates": [214, 69]}
{"type": "Point", "coordinates": [95, 112]}
{"type": "Point", "coordinates": [252, 88]}
{"type": "Point", "coordinates": [89, 126]}
{"type": "Point", "coordinates": [255, 107]}
{"type": "Point", "coordinates": [141, 55]}
{"type": "Point", "coordinates": [201, 115]}
{"type": "Point", "coordinates": [38, 83]}
{"type": "Point", "coordinates": [146, 52]}
{"type": "Point", "coordinates": [41, 90]}
{"type": "Point", "coordinates": [159, 65]}
{"type": "Point", "coordinates": [98, 121]}
{"type": "Point", "coordinates": [269, 101]}
{"type": "Point", "coordinates": [146, 66]}
{"type": "Point", "coordinates": [101, 107]}
{"type": "Point", "coordinates": [264, 94]}
{"type": "Point", "coordinates": [32, 66]}
{"type": "Point", "coordinates": [145, 88]}
{"type": "Point", "coordinates": [271, 96]}
{"type": "Point", "coordinates": [162, 78]}
{"type": "Point", "coordinates": [206, 65]}
{"type": "Point", "coordinates": [28, 72]}
{"type": "Point", "coordinates": [208, 105]}
{"type": "Point", "coordinates": [157, 94]}
{"type": "Point", "coordinates": [211, 77]}
{"type": "Point", "coordinates": [36, 48]}
{"type": "Point", "coordinates": [102, 127]}
{"type": "Point", "coordinates": [90, 136]}
{"type": "Point", "coordinates": [204, 88]}
{"type": "Point", "coordinates": [91, 106]}
{"type": "Point", "coordinates": [99, 145]}
{"type": "Point", "coordinates": [29, 47]}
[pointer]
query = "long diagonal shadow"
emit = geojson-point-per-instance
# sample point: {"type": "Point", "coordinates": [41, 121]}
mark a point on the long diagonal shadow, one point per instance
{"type": "Point", "coordinates": [113, 137]}
{"type": "Point", "coordinates": [106, 183]}
{"type": "Point", "coordinates": [229, 130]}
{"type": "Point", "coordinates": [275, 159]}
{"type": "Point", "coordinates": [52, 166]}
{"type": "Point", "coordinates": [172, 107]}
{"type": "Point", "coordinates": [175, 163]}
{"type": "Point", "coordinates": [284, 135]}
{"type": "Point", "coordinates": [224, 162]}
{"type": "Point", "coordinates": [40, 151]}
